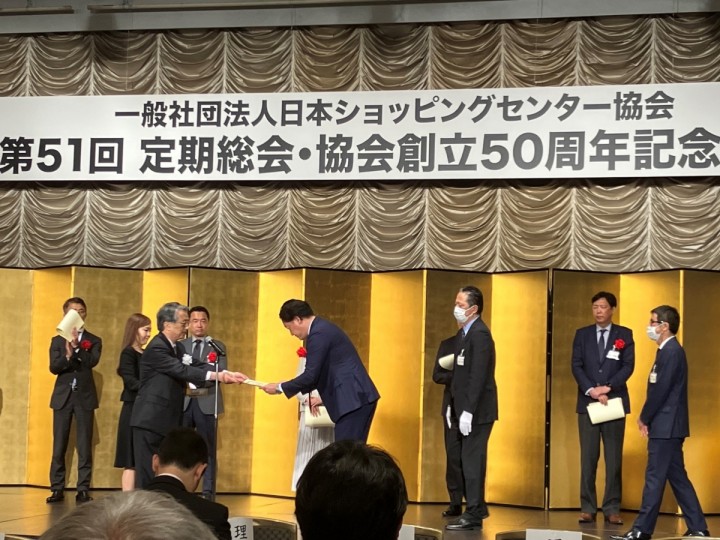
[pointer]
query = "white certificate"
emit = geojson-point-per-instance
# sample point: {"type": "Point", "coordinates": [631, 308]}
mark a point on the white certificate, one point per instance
{"type": "Point", "coordinates": [253, 383]}
{"type": "Point", "coordinates": [600, 413]}
{"type": "Point", "coordinates": [447, 361]}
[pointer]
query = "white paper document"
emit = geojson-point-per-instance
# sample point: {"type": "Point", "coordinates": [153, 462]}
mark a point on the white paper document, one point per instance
{"type": "Point", "coordinates": [447, 361]}
{"type": "Point", "coordinates": [600, 413]}
{"type": "Point", "coordinates": [254, 383]}
{"type": "Point", "coordinates": [71, 320]}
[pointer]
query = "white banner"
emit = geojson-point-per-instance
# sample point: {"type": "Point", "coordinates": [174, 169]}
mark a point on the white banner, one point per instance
{"type": "Point", "coordinates": [560, 132]}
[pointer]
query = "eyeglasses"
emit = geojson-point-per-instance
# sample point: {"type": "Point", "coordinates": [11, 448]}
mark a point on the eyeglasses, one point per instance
{"type": "Point", "coordinates": [655, 322]}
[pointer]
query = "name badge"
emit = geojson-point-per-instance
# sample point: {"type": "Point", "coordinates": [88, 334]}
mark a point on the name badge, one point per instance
{"type": "Point", "coordinates": [613, 355]}
{"type": "Point", "coordinates": [653, 376]}
{"type": "Point", "coordinates": [461, 358]}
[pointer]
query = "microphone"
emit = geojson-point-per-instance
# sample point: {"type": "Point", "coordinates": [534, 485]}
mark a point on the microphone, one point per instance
{"type": "Point", "coordinates": [214, 345]}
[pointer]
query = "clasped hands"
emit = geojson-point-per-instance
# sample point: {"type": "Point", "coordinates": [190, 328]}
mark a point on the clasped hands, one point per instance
{"type": "Point", "coordinates": [600, 393]}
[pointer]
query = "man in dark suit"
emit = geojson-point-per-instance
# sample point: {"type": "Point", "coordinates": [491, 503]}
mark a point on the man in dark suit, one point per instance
{"type": "Point", "coordinates": [199, 407]}
{"type": "Point", "coordinates": [74, 395]}
{"type": "Point", "coordinates": [334, 368]}
{"type": "Point", "coordinates": [164, 371]}
{"type": "Point", "coordinates": [453, 444]}
{"type": "Point", "coordinates": [664, 419]}
{"type": "Point", "coordinates": [475, 402]}
{"type": "Point", "coordinates": [602, 361]}
{"type": "Point", "coordinates": [181, 461]}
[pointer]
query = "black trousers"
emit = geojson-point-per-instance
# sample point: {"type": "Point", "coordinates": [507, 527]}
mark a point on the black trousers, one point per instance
{"type": "Point", "coordinates": [204, 424]}
{"type": "Point", "coordinates": [474, 467]}
{"type": "Point", "coordinates": [453, 463]}
{"type": "Point", "coordinates": [612, 434]}
{"type": "Point", "coordinates": [62, 422]}
{"type": "Point", "coordinates": [145, 444]}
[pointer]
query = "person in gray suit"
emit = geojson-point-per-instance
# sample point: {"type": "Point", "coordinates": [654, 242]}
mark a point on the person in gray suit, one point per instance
{"type": "Point", "coordinates": [199, 406]}
{"type": "Point", "coordinates": [664, 420]}
{"type": "Point", "coordinates": [75, 395]}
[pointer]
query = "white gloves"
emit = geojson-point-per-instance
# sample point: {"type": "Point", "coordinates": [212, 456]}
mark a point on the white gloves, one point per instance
{"type": "Point", "coordinates": [466, 423]}
{"type": "Point", "coordinates": [447, 417]}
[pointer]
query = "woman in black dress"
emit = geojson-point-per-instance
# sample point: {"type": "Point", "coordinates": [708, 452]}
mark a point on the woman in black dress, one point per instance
{"type": "Point", "coordinates": [137, 333]}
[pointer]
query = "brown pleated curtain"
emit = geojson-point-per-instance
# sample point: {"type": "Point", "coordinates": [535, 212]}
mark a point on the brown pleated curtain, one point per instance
{"type": "Point", "coordinates": [600, 225]}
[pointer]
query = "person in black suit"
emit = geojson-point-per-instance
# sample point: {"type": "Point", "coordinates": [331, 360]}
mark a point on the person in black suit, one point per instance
{"type": "Point", "coordinates": [664, 419]}
{"type": "Point", "coordinates": [137, 333]}
{"type": "Point", "coordinates": [475, 402]}
{"type": "Point", "coordinates": [453, 445]}
{"type": "Point", "coordinates": [602, 361]}
{"type": "Point", "coordinates": [199, 406]}
{"type": "Point", "coordinates": [334, 368]}
{"type": "Point", "coordinates": [351, 491]}
{"type": "Point", "coordinates": [164, 371]}
{"type": "Point", "coordinates": [179, 465]}
{"type": "Point", "coordinates": [74, 395]}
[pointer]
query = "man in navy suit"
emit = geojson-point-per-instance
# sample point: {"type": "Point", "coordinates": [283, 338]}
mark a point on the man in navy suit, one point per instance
{"type": "Point", "coordinates": [475, 402]}
{"type": "Point", "coordinates": [165, 368]}
{"type": "Point", "coordinates": [333, 368]}
{"type": "Point", "coordinates": [664, 419]}
{"type": "Point", "coordinates": [75, 395]}
{"type": "Point", "coordinates": [602, 361]}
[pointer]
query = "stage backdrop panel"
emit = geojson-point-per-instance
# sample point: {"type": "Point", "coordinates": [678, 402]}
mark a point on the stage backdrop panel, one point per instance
{"type": "Point", "coordinates": [15, 371]}
{"type": "Point", "coordinates": [232, 299]}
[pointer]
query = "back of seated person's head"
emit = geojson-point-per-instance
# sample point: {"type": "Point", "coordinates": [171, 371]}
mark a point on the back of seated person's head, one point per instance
{"type": "Point", "coordinates": [183, 448]}
{"type": "Point", "coordinates": [130, 515]}
{"type": "Point", "coordinates": [352, 491]}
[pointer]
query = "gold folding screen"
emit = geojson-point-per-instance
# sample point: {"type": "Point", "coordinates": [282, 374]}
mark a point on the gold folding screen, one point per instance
{"type": "Point", "coordinates": [397, 321]}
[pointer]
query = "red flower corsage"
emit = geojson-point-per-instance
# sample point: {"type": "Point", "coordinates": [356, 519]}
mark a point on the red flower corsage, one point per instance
{"type": "Point", "coordinates": [212, 357]}
{"type": "Point", "coordinates": [85, 345]}
{"type": "Point", "coordinates": [301, 352]}
{"type": "Point", "coordinates": [619, 344]}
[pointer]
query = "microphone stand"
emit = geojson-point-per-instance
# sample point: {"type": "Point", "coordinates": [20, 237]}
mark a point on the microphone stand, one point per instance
{"type": "Point", "coordinates": [220, 354]}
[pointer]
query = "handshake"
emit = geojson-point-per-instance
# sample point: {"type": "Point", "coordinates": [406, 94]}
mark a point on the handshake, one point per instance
{"type": "Point", "coordinates": [228, 377]}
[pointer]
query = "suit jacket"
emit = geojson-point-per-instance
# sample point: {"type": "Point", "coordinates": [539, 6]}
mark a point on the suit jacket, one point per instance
{"type": "Point", "coordinates": [129, 370]}
{"type": "Point", "coordinates": [590, 370]}
{"type": "Point", "coordinates": [78, 368]}
{"type": "Point", "coordinates": [442, 375]}
{"type": "Point", "coordinates": [666, 407]}
{"type": "Point", "coordinates": [214, 515]}
{"type": "Point", "coordinates": [334, 368]}
{"type": "Point", "coordinates": [159, 403]}
{"type": "Point", "coordinates": [207, 402]}
{"type": "Point", "coordinates": [473, 383]}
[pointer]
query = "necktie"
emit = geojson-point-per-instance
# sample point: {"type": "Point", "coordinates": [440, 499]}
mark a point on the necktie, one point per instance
{"type": "Point", "coordinates": [601, 343]}
{"type": "Point", "coordinates": [197, 349]}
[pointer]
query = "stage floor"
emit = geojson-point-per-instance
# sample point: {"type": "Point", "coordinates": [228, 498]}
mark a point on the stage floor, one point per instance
{"type": "Point", "coordinates": [23, 511]}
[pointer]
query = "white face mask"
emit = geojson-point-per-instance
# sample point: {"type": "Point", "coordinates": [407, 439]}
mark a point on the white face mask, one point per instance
{"type": "Point", "coordinates": [459, 314]}
{"type": "Point", "coordinates": [651, 333]}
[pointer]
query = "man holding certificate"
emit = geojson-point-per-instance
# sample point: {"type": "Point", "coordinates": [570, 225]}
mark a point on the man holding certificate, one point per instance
{"type": "Point", "coordinates": [602, 361]}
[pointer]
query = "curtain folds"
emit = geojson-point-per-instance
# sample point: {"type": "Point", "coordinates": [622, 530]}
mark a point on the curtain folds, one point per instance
{"type": "Point", "coordinates": [625, 225]}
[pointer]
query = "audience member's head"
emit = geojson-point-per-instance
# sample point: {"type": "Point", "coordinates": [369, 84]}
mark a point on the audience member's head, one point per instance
{"type": "Point", "coordinates": [352, 491]}
{"type": "Point", "coordinates": [130, 515]}
{"type": "Point", "coordinates": [182, 453]}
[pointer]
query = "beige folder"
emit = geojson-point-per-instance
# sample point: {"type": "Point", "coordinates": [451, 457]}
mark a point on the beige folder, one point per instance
{"type": "Point", "coordinates": [600, 413]}
{"type": "Point", "coordinates": [322, 420]}
{"type": "Point", "coordinates": [447, 361]}
{"type": "Point", "coordinates": [71, 320]}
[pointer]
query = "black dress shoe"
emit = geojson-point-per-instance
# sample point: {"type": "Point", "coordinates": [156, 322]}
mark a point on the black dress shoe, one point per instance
{"type": "Point", "coordinates": [83, 497]}
{"type": "Point", "coordinates": [697, 533]}
{"type": "Point", "coordinates": [633, 534]}
{"type": "Point", "coordinates": [464, 524]}
{"type": "Point", "coordinates": [452, 511]}
{"type": "Point", "coordinates": [56, 495]}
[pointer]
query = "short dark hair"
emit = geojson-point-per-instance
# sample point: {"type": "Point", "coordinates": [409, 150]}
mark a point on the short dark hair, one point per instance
{"type": "Point", "coordinates": [184, 448]}
{"type": "Point", "coordinates": [201, 309]}
{"type": "Point", "coordinates": [610, 297]}
{"type": "Point", "coordinates": [474, 297]}
{"type": "Point", "coordinates": [295, 308]}
{"type": "Point", "coordinates": [74, 300]}
{"type": "Point", "coordinates": [669, 315]}
{"type": "Point", "coordinates": [352, 491]}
